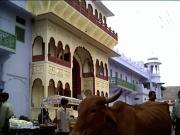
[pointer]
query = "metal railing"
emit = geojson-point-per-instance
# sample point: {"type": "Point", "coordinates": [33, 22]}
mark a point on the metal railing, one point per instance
{"type": "Point", "coordinates": [119, 82]}
{"type": "Point", "coordinates": [7, 41]}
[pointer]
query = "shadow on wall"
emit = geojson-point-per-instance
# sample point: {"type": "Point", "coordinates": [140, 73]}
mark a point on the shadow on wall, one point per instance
{"type": "Point", "coordinates": [18, 96]}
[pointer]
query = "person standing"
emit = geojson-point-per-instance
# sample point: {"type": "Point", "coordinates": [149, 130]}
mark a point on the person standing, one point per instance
{"type": "Point", "coordinates": [152, 96]}
{"type": "Point", "coordinates": [176, 115]}
{"type": "Point", "coordinates": [43, 117]}
{"type": "Point", "coordinates": [5, 113]}
{"type": "Point", "coordinates": [63, 118]}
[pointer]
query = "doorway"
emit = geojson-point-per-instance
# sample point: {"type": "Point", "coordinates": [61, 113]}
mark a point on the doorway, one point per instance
{"type": "Point", "coordinates": [76, 82]}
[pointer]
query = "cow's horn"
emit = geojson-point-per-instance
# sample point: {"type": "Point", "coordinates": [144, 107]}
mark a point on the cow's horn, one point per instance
{"type": "Point", "coordinates": [113, 98]}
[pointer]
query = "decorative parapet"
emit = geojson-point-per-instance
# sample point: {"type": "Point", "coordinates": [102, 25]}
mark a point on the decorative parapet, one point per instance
{"type": "Point", "coordinates": [78, 17]}
{"type": "Point", "coordinates": [7, 41]}
{"type": "Point", "coordinates": [137, 67]}
{"type": "Point", "coordinates": [92, 18]}
{"type": "Point", "coordinates": [122, 83]}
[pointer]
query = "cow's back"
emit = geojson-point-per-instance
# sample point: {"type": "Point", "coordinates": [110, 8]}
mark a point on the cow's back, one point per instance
{"type": "Point", "coordinates": [127, 118]}
{"type": "Point", "coordinates": [150, 118]}
{"type": "Point", "coordinates": [153, 118]}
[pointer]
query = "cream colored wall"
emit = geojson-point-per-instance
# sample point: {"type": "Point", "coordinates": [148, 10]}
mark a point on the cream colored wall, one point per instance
{"type": "Point", "coordinates": [59, 73]}
{"type": "Point", "coordinates": [101, 85]}
{"type": "Point", "coordinates": [86, 84]}
{"type": "Point", "coordinates": [49, 70]}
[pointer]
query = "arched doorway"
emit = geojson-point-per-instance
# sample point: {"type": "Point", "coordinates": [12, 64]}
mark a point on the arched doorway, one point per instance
{"type": "Point", "coordinates": [82, 73]}
{"type": "Point", "coordinates": [76, 79]}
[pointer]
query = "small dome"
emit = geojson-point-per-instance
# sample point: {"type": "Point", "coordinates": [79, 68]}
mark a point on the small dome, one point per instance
{"type": "Point", "coordinates": [153, 60]}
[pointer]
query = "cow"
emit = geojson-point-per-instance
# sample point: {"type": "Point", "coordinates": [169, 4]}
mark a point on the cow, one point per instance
{"type": "Point", "coordinates": [95, 117]}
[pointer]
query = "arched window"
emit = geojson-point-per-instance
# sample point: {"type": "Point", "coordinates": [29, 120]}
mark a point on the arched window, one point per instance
{"type": "Point", "coordinates": [88, 67]}
{"type": "Point", "coordinates": [106, 71]}
{"type": "Point", "coordinates": [38, 49]}
{"type": "Point", "coordinates": [83, 4]}
{"type": "Point", "coordinates": [67, 91]}
{"type": "Point", "coordinates": [104, 19]}
{"type": "Point", "coordinates": [59, 90]}
{"type": "Point", "coordinates": [101, 69]}
{"type": "Point", "coordinates": [102, 93]}
{"type": "Point", "coordinates": [51, 87]}
{"type": "Point", "coordinates": [60, 50]}
{"type": "Point", "coordinates": [67, 53]}
{"type": "Point", "coordinates": [106, 95]}
{"type": "Point", "coordinates": [152, 68]}
{"type": "Point", "coordinates": [37, 93]}
{"type": "Point", "coordinates": [100, 17]}
{"type": "Point", "coordinates": [98, 93]}
{"type": "Point", "coordinates": [52, 47]}
{"type": "Point", "coordinates": [38, 46]}
{"type": "Point", "coordinates": [90, 9]}
{"type": "Point", "coordinates": [96, 13]}
{"type": "Point", "coordinates": [97, 67]}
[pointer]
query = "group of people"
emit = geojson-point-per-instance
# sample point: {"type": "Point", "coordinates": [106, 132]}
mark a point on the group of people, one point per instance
{"type": "Point", "coordinates": [5, 113]}
{"type": "Point", "coordinates": [62, 119]}
{"type": "Point", "coordinates": [175, 111]}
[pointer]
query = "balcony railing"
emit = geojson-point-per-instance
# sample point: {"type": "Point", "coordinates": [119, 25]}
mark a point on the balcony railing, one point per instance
{"type": "Point", "coordinates": [77, 5]}
{"type": "Point", "coordinates": [7, 41]}
{"type": "Point", "coordinates": [123, 83]}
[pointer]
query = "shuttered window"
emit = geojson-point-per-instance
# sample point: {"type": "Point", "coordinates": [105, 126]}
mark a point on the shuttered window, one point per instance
{"type": "Point", "coordinates": [20, 34]}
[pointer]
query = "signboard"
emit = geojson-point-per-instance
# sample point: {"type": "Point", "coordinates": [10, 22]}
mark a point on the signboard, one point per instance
{"type": "Point", "coordinates": [56, 99]}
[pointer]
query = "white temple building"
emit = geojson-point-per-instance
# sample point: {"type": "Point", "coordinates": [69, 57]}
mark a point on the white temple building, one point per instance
{"type": "Point", "coordinates": [135, 78]}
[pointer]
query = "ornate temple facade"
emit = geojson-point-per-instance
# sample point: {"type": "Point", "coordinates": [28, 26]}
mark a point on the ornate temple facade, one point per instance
{"type": "Point", "coordinates": [71, 44]}
{"type": "Point", "coordinates": [57, 47]}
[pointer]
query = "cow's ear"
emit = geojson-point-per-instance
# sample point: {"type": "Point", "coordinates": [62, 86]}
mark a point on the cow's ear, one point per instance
{"type": "Point", "coordinates": [110, 119]}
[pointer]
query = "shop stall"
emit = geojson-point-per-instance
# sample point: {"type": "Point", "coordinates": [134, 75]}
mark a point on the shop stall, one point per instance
{"type": "Point", "coordinates": [56, 100]}
{"type": "Point", "coordinates": [72, 108]}
{"type": "Point", "coordinates": [23, 127]}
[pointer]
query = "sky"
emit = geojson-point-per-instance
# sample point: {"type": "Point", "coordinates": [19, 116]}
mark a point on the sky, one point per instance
{"type": "Point", "coordinates": [149, 29]}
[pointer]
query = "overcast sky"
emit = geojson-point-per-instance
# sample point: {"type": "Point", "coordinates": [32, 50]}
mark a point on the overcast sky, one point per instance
{"type": "Point", "coordinates": [149, 28]}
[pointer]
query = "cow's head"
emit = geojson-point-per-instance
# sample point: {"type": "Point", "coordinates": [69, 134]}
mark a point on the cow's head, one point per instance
{"type": "Point", "coordinates": [95, 117]}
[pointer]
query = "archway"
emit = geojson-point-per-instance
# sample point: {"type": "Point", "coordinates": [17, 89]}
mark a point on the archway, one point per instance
{"type": "Point", "coordinates": [37, 93]}
{"type": "Point", "coordinates": [82, 72]}
{"type": "Point", "coordinates": [76, 79]}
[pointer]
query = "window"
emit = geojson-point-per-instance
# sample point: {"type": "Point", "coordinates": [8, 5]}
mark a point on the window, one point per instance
{"type": "Point", "coordinates": [98, 93]}
{"type": "Point", "coordinates": [102, 93]}
{"type": "Point", "coordinates": [121, 76]}
{"type": "Point", "coordinates": [152, 68]}
{"type": "Point", "coordinates": [20, 20]}
{"type": "Point", "coordinates": [20, 29]}
{"type": "Point", "coordinates": [20, 34]}
{"type": "Point", "coordinates": [110, 72]}
{"type": "Point", "coordinates": [116, 74]}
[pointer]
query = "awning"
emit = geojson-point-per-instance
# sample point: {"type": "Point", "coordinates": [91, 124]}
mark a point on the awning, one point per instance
{"type": "Point", "coordinates": [56, 99]}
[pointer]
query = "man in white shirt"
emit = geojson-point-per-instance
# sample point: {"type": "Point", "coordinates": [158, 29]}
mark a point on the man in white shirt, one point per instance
{"type": "Point", "coordinates": [63, 118]}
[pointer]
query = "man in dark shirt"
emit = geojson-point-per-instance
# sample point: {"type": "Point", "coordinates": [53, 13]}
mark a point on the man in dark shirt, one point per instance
{"type": "Point", "coordinates": [152, 96]}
